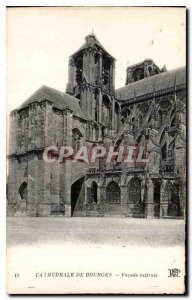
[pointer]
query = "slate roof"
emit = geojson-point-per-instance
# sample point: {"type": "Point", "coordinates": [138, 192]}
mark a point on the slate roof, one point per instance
{"type": "Point", "coordinates": [152, 84]}
{"type": "Point", "coordinates": [59, 99]}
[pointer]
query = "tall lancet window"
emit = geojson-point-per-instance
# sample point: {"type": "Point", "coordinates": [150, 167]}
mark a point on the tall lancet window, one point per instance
{"type": "Point", "coordinates": [76, 139]}
{"type": "Point", "coordinates": [113, 193]}
{"type": "Point", "coordinates": [79, 70]}
{"type": "Point", "coordinates": [116, 117]}
{"type": "Point", "coordinates": [106, 110]}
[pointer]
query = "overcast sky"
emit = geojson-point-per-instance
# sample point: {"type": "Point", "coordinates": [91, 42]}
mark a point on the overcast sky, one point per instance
{"type": "Point", "coordinates": [40, 41]}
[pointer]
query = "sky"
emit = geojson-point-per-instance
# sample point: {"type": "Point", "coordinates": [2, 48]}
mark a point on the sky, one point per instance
{"type": "Point", "coordinates": [40, 41]}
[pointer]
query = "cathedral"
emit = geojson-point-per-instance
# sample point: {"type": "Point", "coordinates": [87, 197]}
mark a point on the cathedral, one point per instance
{"type": "Point", "coordinates": [149, 111]}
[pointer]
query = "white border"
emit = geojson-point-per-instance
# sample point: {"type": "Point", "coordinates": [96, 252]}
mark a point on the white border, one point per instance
{"type": "Point", "coordinates": [3, 4]}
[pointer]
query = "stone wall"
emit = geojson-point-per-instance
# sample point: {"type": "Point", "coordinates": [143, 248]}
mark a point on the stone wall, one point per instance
{"type": "Point", "coordinates": [32, 129]}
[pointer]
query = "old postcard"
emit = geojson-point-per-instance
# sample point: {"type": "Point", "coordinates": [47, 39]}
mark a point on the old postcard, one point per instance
{"type": "Point", "coordinates": [96, 172]}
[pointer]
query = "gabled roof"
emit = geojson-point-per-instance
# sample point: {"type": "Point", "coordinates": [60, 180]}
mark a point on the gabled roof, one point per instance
{"type": "Point", "coordinates": [86, 45]}
{"type": "Point", "coordinates": [152, 84]}
{"type": "Point", "coordinates": [142, 63]}
{"type": "Point", "coordinates": [59, 99]}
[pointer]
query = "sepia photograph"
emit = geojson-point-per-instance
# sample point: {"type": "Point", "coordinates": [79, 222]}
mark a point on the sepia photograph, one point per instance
{"type": "Point", "coordinates": [96, 150]}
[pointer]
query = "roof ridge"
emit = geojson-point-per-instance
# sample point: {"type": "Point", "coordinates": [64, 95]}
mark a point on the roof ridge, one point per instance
{"type": "Point", "coordinates": [150, 77]}
{"type": "Point", "coordinates": [59, 99]}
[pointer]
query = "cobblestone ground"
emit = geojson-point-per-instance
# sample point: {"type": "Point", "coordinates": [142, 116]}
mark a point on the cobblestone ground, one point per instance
{"type": "Point", "coordinates": [95, 231]}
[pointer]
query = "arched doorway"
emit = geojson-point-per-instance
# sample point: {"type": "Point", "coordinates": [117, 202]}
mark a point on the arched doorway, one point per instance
{"type": "Point", "coordinates": [113, 193]}
{"type": "Point", "coordinates": [77, 195]}
{"type": "Point", "coordinates": [23, 191]}
{"type": "Point", "coordinates": [157, 197]}
{"type": "Point", "coordinates": [174, 205]}
{"type": "Point", "coordinates": [172, 197]}
{"type": "Point", "coordinates": [135, 197]}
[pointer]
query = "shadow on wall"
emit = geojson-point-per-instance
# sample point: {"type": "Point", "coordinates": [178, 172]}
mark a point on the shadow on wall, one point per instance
{"type": "Point", "coordinates": [77, 195]}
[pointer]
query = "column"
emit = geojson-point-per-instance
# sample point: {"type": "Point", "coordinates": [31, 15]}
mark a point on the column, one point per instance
{"type": "Point", "coordinates": [65, 172]}
{"type": "Point", "coordinates": [31, 183]}
{"type": "Point", "coordinates": [163, 201]}
{"type": "Point", "coordinates": [100, 69]}
{"type": "Point", "coordinates": [13, 132]}
{"type": "Point", "coordinates": [100, 132]}
{"type": "Point", "coordinates": [99, 202]}
{"type": "Point", "coordinates": [124, 198]}
{"type": "Point", "coordinates": [39, 183]}
{"type": "Point", "coordinates": [150, 199]}
{"type": "Point", "coordinates": [67, 188]}
{"type": "Point", "coordinates": [112, 115]}
{"type": "Point", "coordinates": [12, 187]}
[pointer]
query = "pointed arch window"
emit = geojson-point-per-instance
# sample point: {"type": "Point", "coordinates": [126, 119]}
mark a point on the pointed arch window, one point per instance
{"type": "Point", "coordinates": [79, 70]}
{"type": "Point", "coordinates": [76, 139]}
{"type": "Point", "coordinates": [138, 74]}
{"type": "Point", "coordinates": [116, 117]}
{"type": "Point", "coordinates": [113, 193]}
{"type": "Point", "coordinates": [135, 190]}
{"type": "Point", "coordinates": [106, 110]}
{"type": "Point", "coordinates": [164, 151]}
{"type": "Point", "coordinates": [106, 70]}
{"type": "Point", "coordinates": [97, 58]}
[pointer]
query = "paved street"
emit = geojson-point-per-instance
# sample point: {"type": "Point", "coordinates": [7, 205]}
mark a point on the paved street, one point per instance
{"type": "Point", "coordinates": [95, 231]}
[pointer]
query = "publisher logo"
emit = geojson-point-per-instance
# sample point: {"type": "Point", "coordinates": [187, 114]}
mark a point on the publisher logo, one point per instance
{"type": "Point", "coordinates": [174, 272]}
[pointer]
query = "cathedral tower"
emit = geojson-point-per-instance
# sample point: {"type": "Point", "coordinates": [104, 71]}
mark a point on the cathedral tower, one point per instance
{"type": "Point", "coordinates": [91, 81]}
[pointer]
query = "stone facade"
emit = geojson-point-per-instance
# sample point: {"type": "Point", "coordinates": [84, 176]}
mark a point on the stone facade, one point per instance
{"type": "Point", "coordinates": [149, 111]}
